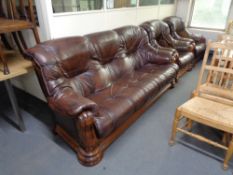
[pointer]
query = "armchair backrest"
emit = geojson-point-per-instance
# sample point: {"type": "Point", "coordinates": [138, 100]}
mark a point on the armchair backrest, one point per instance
{"type": "Point", "coordinates": [176, 26]}
{"type": "Point", "coordinates": [175, 23]}
{"type": "Point", "coordinates": [158, 32]}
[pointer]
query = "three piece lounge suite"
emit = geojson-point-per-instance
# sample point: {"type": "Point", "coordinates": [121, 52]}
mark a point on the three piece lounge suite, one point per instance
{"type": "Point", "coordinates": [99, 84]}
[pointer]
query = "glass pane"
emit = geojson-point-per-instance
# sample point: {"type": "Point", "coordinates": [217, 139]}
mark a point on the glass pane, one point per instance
{"type": "Point", "coordinates": [167, 1]}
{"type": "Point", "coordinates": [60, 6]}
{"type": "Point", "coordinates": [148, 2]}
{"type": "Point", "coordinates": [120, 3]}
{"type": "Point", "coordinates": [210, 14]}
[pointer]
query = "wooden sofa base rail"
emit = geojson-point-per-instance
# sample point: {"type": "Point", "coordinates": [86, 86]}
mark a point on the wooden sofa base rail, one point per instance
{"type": "Point", "coordinates": [94, 157]}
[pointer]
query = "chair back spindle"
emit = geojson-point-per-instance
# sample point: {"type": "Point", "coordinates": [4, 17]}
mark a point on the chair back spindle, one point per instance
{"type": "Point", "coordinates": [216, 75]}
{"type": "Point", "coordinates": [20, 16]}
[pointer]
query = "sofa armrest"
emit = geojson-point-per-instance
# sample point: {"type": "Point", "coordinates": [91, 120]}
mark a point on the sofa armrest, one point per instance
{"type": "Point", "coordinates": [180, 37]}
{"type": "Point", "coordinates": [70, 104]}
{"type": "Point", "coordinates": [187, 39]}
{"type": "Point", "coordinates": [196, 37]}
{"type": "Point", "coordinates": [169, 50]}
{"type": "Point", "coordinates": [183, 45]}
{"type": "Point", "coordinates": [157, 56]}
{"type": "Point", "coordinates": [169, 41]}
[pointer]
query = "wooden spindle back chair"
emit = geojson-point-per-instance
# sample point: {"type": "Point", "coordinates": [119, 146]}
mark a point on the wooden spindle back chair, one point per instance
{"type": "Point", "coordinates": [225, 38]}
{"type": "Point", "coordinates": [19, 17]}
{"type": "Point", "coordinates": [212, 101]}
{"type": "Point", "coordinates": [218, 83]}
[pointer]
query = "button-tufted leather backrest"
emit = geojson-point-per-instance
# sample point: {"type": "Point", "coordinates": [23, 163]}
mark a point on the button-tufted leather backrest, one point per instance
{"type": "Point", "coordinates": [106, 50]}
{"type": "Point", "coordinates": [134, 39]}
{"type": "Point", "coordinates": [91, 63]}
{"type": "Point", "coordinates": [58, 62]}
{"type": "Point", "coordinates": [105, 44]}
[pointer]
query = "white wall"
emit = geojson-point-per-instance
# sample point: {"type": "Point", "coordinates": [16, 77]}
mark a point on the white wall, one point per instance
{"type": "Point", "coordinates": [184, 11]}
{"type": "Point", "coordinates": [80, 23]}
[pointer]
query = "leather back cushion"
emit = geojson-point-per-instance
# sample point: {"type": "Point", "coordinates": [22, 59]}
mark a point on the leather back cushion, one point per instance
{"type": "Point", "coordinates": [156, 30]}
{"type": "Point", "coordinates": [71, 55]}
{"type": "Point", "coordinates": [175, 23]}
{"type": "Point", "coordinates": [131, 36]}
{"type": "Point", "coordinates": [153, 28]}
{"type": "Point", "coordinates": [57, 62]}
{"type": "Point", "coordinates": [165, 29]}
{"type": "Point", "coordinates": [135, 38]}
{"type": "Point", "coordinates": [106, 50]}
{"type": "Point", "coordinates": [105, 44]}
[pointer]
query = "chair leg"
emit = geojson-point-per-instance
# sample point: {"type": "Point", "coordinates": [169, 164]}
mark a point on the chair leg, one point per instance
{"type": "Point", "coordinates": [228, 155]}
{"type": "Point", "coordinates": [22, 40]}
{"type": "Point", "coordinates": [17, 41]}
{"type": "Point", "coordinates": [5, 42]}
{"type": "Point", "coordinates": [4, 62]}
{"type": "Point", "coordinates": [226, 138]}
{"type": "Point", "coordinates": [173, 83]}
{"type": "Point", "coordinates": [36, 34]}
{"type": "Point", "coordinates": [174, 127]}
{"type": "Point", "coordinates": [189, 124]}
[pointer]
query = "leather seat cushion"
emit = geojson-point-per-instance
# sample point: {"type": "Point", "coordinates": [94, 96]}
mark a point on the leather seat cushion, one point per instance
{"type": "Point", "coordinates": [163, 73]}
{"type": "Point", "coordinates": [128, 94]}
{"type": "Point", "coordinates": [185, 59]}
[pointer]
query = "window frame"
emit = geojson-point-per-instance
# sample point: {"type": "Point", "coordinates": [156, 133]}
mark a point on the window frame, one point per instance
{"type": "Point", "coordinates": [104, 9]}
{"type": "Point", "coordinates": [138, 4]}
{"type": "Point", "coordinates": [206, 28]}
{"type": "Point", "coordinates": [107, 9]}
{"type": "Point", "coordinates": [78, 12]}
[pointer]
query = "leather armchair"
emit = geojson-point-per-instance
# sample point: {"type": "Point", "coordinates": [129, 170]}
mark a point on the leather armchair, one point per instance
{"type": "Point", "coordinates": [179, 31]}
{"type": "Point", "coordinates": [160, 37]}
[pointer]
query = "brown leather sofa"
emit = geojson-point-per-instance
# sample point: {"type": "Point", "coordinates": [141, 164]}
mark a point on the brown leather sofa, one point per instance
{"type": "Point", "coordinates": [160, 37]}
{"type": "Point", "coordinates": [179, 31]}
{"type": "Point", "coordinates": [99, 84]}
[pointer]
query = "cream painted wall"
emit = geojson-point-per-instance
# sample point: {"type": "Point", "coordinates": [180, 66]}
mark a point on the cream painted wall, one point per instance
{"type": "Point", "coordinates": [79, 23]}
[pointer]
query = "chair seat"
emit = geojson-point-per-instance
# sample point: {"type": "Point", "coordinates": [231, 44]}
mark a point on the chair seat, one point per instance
{"type": "Point", "coordinates": [209, 112]}
{"type": "Point", "coordinates": [9, 25]}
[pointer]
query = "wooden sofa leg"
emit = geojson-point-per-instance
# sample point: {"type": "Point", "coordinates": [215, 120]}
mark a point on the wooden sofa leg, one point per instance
{"type": "Point", "coordinates": [89, 158]}
{"type": "Point", "coordinates": [228, 155]}
{"type": "Point", "coordinates": [190, 67]}
{"type": "Point", "coordinates": [89, 152]}
{"type": "Point", "coordinates": [173, 83]}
